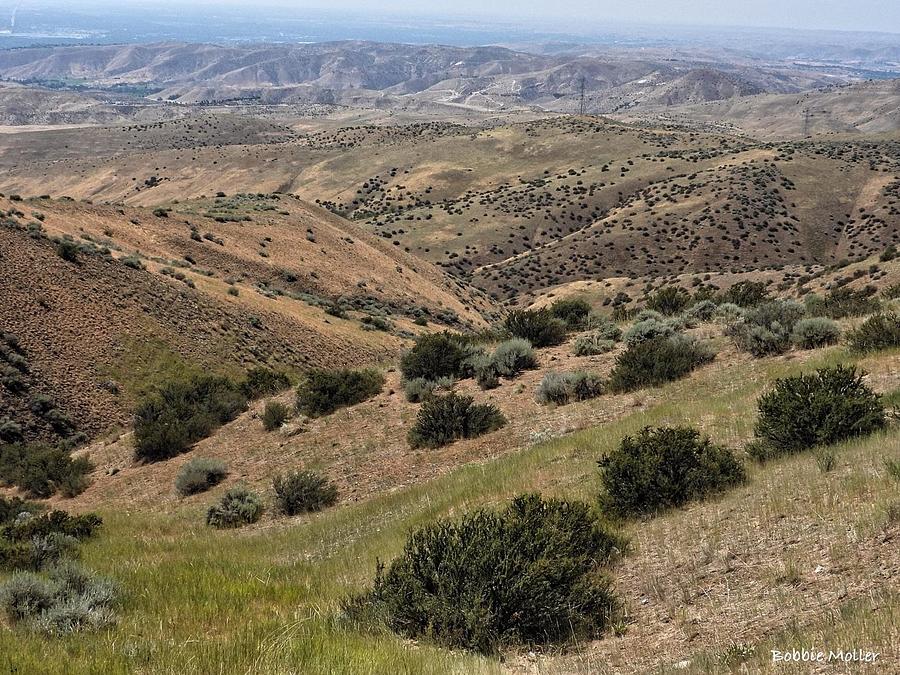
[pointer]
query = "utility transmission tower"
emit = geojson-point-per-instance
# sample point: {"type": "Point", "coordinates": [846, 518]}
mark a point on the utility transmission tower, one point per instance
{"type": "Point", "coordinates": [581, 106]}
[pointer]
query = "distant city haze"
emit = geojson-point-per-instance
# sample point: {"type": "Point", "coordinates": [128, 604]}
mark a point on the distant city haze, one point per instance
{"type": "Point", "coordinates": [859, 15]}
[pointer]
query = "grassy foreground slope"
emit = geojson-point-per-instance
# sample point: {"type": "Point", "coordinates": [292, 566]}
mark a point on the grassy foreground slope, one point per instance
{"type": "Point", "coordinates": [796, 557]}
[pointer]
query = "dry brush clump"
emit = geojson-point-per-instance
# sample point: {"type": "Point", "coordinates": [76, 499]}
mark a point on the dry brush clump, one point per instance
{"type": "Point", "coordinates": [569, 387]}
{"type": "Point", "coordinates": [302, 492]}
{"type": "Point", "coordinates": [238, 507]}
{"type": "Point", "coordinates": [199, 475]}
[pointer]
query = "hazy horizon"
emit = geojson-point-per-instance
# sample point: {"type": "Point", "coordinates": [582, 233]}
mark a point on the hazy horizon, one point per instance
{"type": "Point", "coordinates": [582, 15]}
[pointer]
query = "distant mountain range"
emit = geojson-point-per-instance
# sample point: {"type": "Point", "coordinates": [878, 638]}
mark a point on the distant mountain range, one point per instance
{"type": "Point", "coordinates": [486, 78]}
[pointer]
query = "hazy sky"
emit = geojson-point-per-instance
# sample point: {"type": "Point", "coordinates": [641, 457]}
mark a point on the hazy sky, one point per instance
{"type": "Point", "coordinates": [879, 15]}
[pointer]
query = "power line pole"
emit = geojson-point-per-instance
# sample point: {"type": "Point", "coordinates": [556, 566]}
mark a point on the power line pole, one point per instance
{"type": "Point", "coordinates": [581, 107]}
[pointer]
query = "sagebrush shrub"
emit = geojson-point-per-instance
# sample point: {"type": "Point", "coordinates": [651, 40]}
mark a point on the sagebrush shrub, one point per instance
{"type": "Point", "coordinates": [418, 389]}
{"type": "Point", "coordinates": [323, 391]}
{"type": "Point", "coordinates": [512, 357]}
{"type": "Point", "coordinates": [563, 388]}
{"type": "Point", "coordinates": [199, 475]}
{"type": "Point", "coordinates": [653, 362]}
{"type": "Point", "coordinates": [274, 415]}
{"type": "Point", "coordinates": [70, 599]}
{"type": "Point", "coordinates": [444, 419]}
{"type": "Point", "coordinates": [816, 332]}
{"type": "Point", "coordinates": [603, 328]}
{"type": "Point", "coordinates": [704, 310]}
{"type": "Point", "coordinates": [825, 407]}
{"type": "Point", "coordinates": [237, 507]}
{"type": "Point", "coordinates": [539, 326]}
{"type": "Point", "coordinates": [648, 328]}
{"type": "Point", "coordinates": [881, 331]}
{"type": "Point", "coordinates": [767, 328]}
{"type": "Point", "coordinates": [592, 345]}
{"type": "Point", "coordinates": [302, 492]}
{"type": "Point", "coordinates": [181, 413]}
{"type": "Point", "coordinates": [529, 574]}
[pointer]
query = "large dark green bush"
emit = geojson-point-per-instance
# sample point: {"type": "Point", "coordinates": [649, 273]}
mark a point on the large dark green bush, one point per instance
{"type": "Point", "coordinates": [199, 475]}
{"type": "Point", "coordinates": [665, 467]}
{"type": "Point", "coordinates": [321, 391]}
{"type": "Point", "coordinates": [669, 300]}
{"type": "Point", "coordinates": [183, 412]}
{"type": "Point", "coordinates": [828, 406]}
{"type": "Point", "coordinates": [438, 355]}
{"type": "Point", "coordinates": [654, 362]}
{"type": "Point", "coordinates": [529, 574]}
{"type": "Point", "coordinates": [238, 507]}
{"type": "Point", "coordinates": [261, 382]}
{"type": "Point", "coordinates": [444, 419]}
{"type": "Point", "coordinates": [43, 470]}
{"type": "Point", "coordinates": [843, 302]}
{"type": "Point", "coordinates": [746, 294]}
{"type": "Point", "coordinates": [539, 326]}
{"type": "Point", "coordinates": [881, 331]}
{"type": "Point", "coordinates": [302, 492]}
{"type": "Point", "coordinates": [573, 311]}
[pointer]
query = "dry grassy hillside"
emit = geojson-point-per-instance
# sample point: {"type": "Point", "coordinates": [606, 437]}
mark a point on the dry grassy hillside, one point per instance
{"type": "Point", "coordinates": [513, 207]}
{"type": "Point", "coordinates": [145, 296]}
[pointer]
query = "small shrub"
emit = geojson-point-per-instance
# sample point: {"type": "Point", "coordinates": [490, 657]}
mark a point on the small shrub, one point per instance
{"type": "Point", "coordinates": [563, 388]}
{"type": "Point", "coordinates": [653, 362]}
{"type": "Point", "coordinates": [592, 345]}
{"type": "Point", "coordinates": [669, 300]}
{"type": "Point", "coordinates": [540, 327]}
{"type": "Point", "coordinates": [485, 372]}
{"type": "Point", "coordinates": [181, 413]}
{"type": "Point", "coordinates": [260, 382]}
{"type": "Point", "coordinates": [881, 331]}
{"type": "Point", "coordinates": [72, 599]}
{"type": "Point", "coordinates": [892, 466]}
{"type": "Point", "coordinates": [67, 250]}
{"type": "Point", "coordinates": [816, 332]}
{"type": "Point", "coordinates": [826, 458]}
{"type": "Point", "coordinates": [572, 311]}
{"type": "Point", "coordinates": [512, 357]}
{"type": "Point", "coordinates": [760, 450]}
{"type": "Point", "coordinates": [649, 328]}
{"type": "Point", "coordinates": [529, 574]}
{"type": "Point", "coordinates": [302, 492]}
{"type": "Point", "coordinates": [444, 419]}
{"type": "Point", "coordinates": [767, 328]}
{"type": "Point", "coordinates": [199, 475]}
{"type": "Point", "coordinates": [664, 468]}
{"type": "Point", "coordinates": [323, 391]}
{"type": "Point", "coordinates": [704, 310]}
{"type": "Point", "coordinates": [729, 313]}
{"type": "Point", "coordinates": [274, 415]}
{"type": "Point", "coordinates": [603, 328]}
{"type": "Point", "coordinates": [825, 407]}
{"type": "Point", "coordinates": [238, 507]}
{"type": "Point", "coordinates": [419, 389]}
